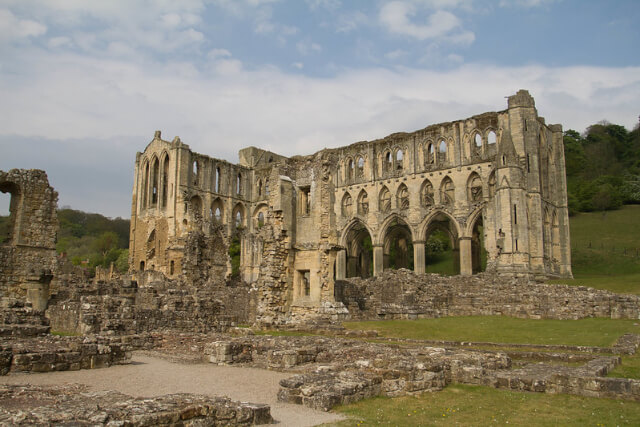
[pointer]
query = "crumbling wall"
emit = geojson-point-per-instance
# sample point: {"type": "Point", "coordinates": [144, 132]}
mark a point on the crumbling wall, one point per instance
{"type": "Point", "coordinates": [28, 255]}
{"type": "Point", "coordinates": [403, 294]}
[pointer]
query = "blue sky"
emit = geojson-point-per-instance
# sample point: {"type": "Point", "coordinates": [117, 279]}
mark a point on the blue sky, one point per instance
{"type": "Point", "coordinates": [85, 84]}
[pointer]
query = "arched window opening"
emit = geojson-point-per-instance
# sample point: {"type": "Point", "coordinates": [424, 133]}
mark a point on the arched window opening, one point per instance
{"type": "Point", "coordinates": [260, 220]}
{"type": "Point", "coordinates": [474, 188]}
{"type": "Point", "coordinates": [399, 159]}
{"type": "Point", "coordinates": [350, 169]}
{"type": "Point", "coordinates": [359, 252]}
{"type": "Point", "coordinates": [363, 203]}
{"type": "Point", "coordinates": [347, 205]}
{"type": "Point", "coordinates": [427, 194]}
{"type": "Point", "coordinates": [239, 184]}
{"type": "Point", "coordinates": [266, 188]}
{"type": "Point", "coordinates": [218, 177]}
{"type": "Point", "coordinates": [431, 154]}
{"type": "Point", "coordinates": [172, 266]}
{"type": "Point", "coordinates": [478, 140]}
{"type": "Point", "coordinates": [360, 167]}
{"type": "Point", "coordinates": [165, 180]}
{"type": "Point", "coordinates": [9, 201]}
{"type": "Point", "coordinates": [238, 216]}
{"type": "Point", "coordinates": [216, 211]}
{"type": "Point", "coordinates": [402, 197]}
{"type": "Point", "coordinates": [145, 185]}
{"type": "Point", "coordinates": [388, 163]}
{"type": "Point", "coordinates": [442, 254]}
{"type": "Point", "coordinates": [141, 265]}
{"type": "Point", "coordinates": [385, 200]}
{"type": "Point", "coordinates": [491, 137]}
{"type": "Point", "coordinates": [195, 172]}
{"type": "Point", "coordinates": [259, 188]}
{"type": "Point", "coordinates": [478, 251]}
{"type": "Point", "coordinates": [156, 177]}
{"type": "Point", "coordinates": [447, 192]}
{"type": "Point", "coordinates": [398, 246]}
{"type": "Point", "coordinates": [442, 151]}
{"type": "Point", "coordinates": [547, 234]}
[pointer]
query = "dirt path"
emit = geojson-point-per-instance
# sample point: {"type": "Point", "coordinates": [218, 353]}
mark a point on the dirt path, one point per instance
{"type": "Point", "coordinates": [151, 376]}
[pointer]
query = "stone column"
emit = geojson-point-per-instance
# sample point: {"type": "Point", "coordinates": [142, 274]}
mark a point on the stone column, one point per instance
{"type": "Point", "coordinates": [466, 259]}
{"type": "Point", "coordinates": [418, 257]}
{"type": "Point", "coordinates": [378, 260]}
{"type": "Point", "coordinates": [341, 265]}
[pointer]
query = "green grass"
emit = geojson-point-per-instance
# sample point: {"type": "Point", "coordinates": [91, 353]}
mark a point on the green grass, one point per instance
{"type": "Point", "coordinates": [501, 329]}
{"type": "Point", "coordinates": [598, 244]}
{"type": "Point", "coordinates": [479, 406]}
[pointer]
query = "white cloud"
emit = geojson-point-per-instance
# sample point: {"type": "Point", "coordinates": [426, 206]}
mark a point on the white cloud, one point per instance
{"type": "Point", "coordinates": [218, 53]}
{"type": "Point", "coordinates": [298, 65]}
{"type": "Point", "coordinates": [12, 28]}
{"type": "Point", "coordinates": [441, 24]}
{"type": "Point", "coordinates": [306, 47]}
{"type": "Point", "coordinates": [350, 21]}
{"type": "Point", "coordinates": [62, 41]}
{"type": "Point", "coordinates": [396, 54]}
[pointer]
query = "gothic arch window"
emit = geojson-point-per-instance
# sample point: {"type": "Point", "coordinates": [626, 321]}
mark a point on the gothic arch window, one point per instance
{"type": "Point", "coordinates": [402, 197]}
{"type": "Point", "coordinates": [259, 188]}
{"type": "Point", "coordinates": [360, 167]}
{"type": "Point", "coordinates": [260, 219]}
{"type": "Point", "coordinates": [363, 203]}
{"type": "Point", "coordinates": [491, 137]}
{"type": "Point", "coordinates": [477, 139]}
{"type": "Point", "coordinates": [385, 200]}
{"type": "Point", "coordinates": [196, 207]}
{"type": "Point", "coordinates": [238, 216]}
{"type": "Point", "coordinates": [430, 155]}
{"type": "Point", "coordinates": [447, 192]}
{"type": "Point", "coordinates": [399, 159]}
{"type": "Point", "coordinates": [216, 211]}
{"type": "Point", "coordinates": [347, 205]}
{"type": "Point", "coordinates": [442, 151]}
{"type": "Point", "coordinates": [426, 194]}
{"type": "Point", "coordinates": [155, 173]}
{"type": "Point", "coordinates": [145, 185]}
{"type": "Point", "coordinates": [195, 171]}
{"type": "Point", "coordinates": [239, 183]}
{"type": "Point", "coordinates": [165, 180]}
{"type": "Point", "coordinates": [474, 188]}
{"type": "Point", "coordinates": [388, 162]}
{"type": "Point", "coordinates": [218, 177]}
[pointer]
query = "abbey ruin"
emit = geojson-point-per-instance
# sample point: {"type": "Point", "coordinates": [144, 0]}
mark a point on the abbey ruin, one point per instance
{"type": "Point", "coordinates": [494, 182]}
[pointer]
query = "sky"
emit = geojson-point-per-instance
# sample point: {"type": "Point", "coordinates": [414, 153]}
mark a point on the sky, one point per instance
{"type": "Point", "coordinates": [84, 84]}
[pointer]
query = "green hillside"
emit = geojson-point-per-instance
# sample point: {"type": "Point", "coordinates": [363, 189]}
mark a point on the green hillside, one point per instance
{"type": "Point", "coordinates": [605, 249]}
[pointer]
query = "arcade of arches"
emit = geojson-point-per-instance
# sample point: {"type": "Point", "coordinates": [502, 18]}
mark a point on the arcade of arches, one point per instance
{"type": "Point", "coordinates": [437, 249]}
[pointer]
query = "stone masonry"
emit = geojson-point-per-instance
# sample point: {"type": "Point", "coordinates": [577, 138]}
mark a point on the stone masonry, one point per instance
{"type": "Point", "coordinates": [493, 182]}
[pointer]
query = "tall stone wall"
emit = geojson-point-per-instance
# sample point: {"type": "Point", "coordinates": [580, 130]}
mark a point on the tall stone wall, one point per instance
{"type": "Point", "coordinates": [28, 256]}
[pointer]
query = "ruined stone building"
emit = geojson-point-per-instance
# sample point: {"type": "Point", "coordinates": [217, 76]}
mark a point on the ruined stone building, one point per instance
{"type": "Point", "coordinates": [493, 183]}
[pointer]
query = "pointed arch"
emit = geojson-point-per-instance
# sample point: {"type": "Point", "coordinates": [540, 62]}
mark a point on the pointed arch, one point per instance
{"type": "Point", "coordinates": [402, 197]}
{"type": "Point", "coordinates": [155, 180]}
{"type": "Point", "coordinates": [165, 179]}
{"type": "Point", "coordinates": [238, 215]}
{"type": "Point", "coordinates": [145, 183]}
{"type": "Point", "coordinates": [216, 213]}
{"type": "Point", "coordinates": [447, 192]}
{"type": "Point", "coordinates": [492, 138]}
{"type": "Point", "coordinates": [356, 238]}
{"type": "Point", "coordinates": [384, 200]}
{"type": "Point", "coordinates": [363, 203]}
{"type": "Point", "coordinates": [474, 188]}
{"type": "Point", "coordinates": [427, 194]}
{"type": "Point", "coordinates": [396, 237]}
{"type": "Point", "coordinates": [491, 184]}
{"type": "Point", "coordinates": [388, 222]}
{"type": "Point", "coordinates": [196, 207]}
{"type": "Point", "coordinates": [347, 205]}
{"type": "Point", "coordinates": [260, 215]}
{"type": "Point", "coordinates": [437, 215]}
{"type": "Point", "coordinates": [360, 167]}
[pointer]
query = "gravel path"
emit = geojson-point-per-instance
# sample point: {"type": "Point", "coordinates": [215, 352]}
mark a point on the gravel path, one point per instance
{"type": "Point", "coordinates": [151, 376]}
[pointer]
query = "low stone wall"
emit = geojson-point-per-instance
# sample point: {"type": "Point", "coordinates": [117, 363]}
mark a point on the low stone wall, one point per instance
{"type": "Point", "coordinates": [18, 319]}
{"type": "Point", "coordinates": [402, 294]}
{"type": "Point", "coordinates": [122, 307]}
{"type": "Point", "coordinates": [76, 405]}
{"type": "Point", "coordinates": [53, 353]}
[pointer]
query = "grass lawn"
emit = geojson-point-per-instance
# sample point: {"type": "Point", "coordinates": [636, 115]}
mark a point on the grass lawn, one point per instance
{"type": "Point", "coordinates": [501, 329]}
{"type": "Point", "coordinates": [598, 245]}
{"type": "Point", "coordinates": [480, 406]}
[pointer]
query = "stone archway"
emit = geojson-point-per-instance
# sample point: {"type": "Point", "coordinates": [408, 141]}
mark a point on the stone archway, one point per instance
{"type": "Point", "coordinates": [356, 260]}
{"type": "Point", "coordinates": [397, 244]}
{"type": "Point", "coordinates": [441, 245]}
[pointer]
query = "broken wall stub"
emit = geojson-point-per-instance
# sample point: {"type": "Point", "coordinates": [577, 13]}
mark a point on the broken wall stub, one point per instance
{"type": "Point", "coordinates": [494, 183]}
{"type": "Point", "coordinates": [28, 255]}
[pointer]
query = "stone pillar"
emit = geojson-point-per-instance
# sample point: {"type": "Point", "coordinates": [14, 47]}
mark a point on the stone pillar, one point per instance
{"type": "Point", "coordinates": [466, 258]}
{"type": "Point", "coordinates": [341, 265]}
{"type": "Point", "coordinates": [378, 260]}
{"type": "Point", "coordinates": [418, 257]}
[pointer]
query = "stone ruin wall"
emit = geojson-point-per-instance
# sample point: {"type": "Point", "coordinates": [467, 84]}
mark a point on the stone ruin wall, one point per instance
{"type": "Point", "coordinates": [28, 255]}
